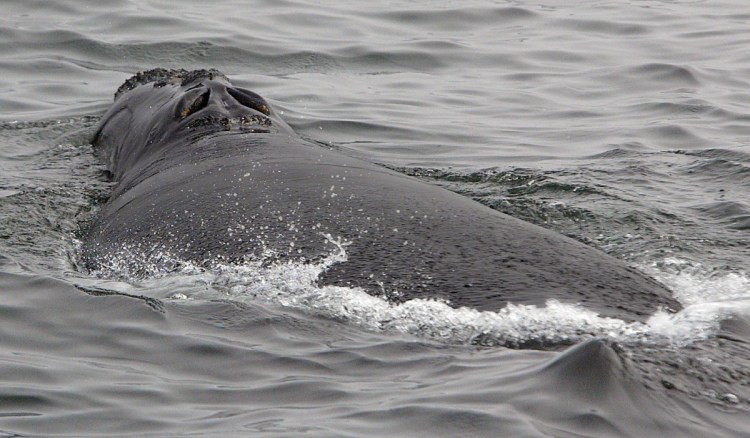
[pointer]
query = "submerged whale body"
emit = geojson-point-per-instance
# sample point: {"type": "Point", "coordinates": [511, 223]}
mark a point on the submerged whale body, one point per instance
{"type": "Point", "coordinates": [207, 172]}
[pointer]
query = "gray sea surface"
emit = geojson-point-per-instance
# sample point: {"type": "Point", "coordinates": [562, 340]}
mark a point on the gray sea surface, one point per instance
{"type": "Point", "coordinates": [622, 124]}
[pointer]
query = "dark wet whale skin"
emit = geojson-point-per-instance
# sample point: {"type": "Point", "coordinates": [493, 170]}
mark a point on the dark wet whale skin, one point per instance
{"type": "Point", "coordinates": [234, 191]}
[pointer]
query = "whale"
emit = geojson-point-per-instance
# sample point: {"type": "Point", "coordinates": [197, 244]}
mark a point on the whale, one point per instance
{"type": "Point", "coordinates": [208, 173]}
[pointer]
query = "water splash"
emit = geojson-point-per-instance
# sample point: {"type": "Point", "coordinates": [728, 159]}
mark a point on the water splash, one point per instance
{"type": "Point", "coordinates": [292, 284]}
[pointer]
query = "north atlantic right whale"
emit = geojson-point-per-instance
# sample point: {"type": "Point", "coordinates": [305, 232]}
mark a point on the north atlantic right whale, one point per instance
{"type": "Point", "coordinates": [208, 173]}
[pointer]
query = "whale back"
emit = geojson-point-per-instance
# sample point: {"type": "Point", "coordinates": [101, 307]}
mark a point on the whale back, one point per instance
{"type": "Point", "coordinates": [233, 197]}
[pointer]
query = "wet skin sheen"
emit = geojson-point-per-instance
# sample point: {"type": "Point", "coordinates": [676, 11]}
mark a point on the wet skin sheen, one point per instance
{"type": "Point", "coordinates": [208, 173]}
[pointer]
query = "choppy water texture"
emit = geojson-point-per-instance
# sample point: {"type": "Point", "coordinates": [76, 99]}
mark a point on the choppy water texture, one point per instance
{"type": "Point", "coordinates": [621, 124]}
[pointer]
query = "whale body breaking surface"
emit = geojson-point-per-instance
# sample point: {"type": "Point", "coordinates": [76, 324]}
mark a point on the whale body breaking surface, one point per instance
{"type": "Point", "coordinates": [207, 173]}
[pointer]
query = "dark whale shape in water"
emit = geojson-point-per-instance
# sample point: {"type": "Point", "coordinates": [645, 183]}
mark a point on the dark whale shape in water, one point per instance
{"type": "Point", "coordinates": [207, 172]}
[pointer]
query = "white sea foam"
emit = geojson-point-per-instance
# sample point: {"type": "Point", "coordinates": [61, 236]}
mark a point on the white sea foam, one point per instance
{"type": "Point", "coordinates": [707, 300]}
{"type": "Point", "coordinates": [694, 284]}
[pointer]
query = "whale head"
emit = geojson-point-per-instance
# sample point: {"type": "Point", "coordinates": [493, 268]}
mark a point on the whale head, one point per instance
{"type": "Point", "coordinates": [159, 107]}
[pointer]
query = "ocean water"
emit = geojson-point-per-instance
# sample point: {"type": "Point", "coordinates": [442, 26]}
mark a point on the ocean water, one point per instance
{"type": "Point", "coordinates": [622, 124]}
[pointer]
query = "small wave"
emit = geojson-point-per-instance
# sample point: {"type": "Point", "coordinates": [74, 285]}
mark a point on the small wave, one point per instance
{"type": "Point", "coordinates": [460, 19]}
{"type": "Point", "coordinates": [605, 27]}
{"type": "Point", "coordinates": [666, 72]}
{"type": "Point", "coordinates": [716, 153]}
